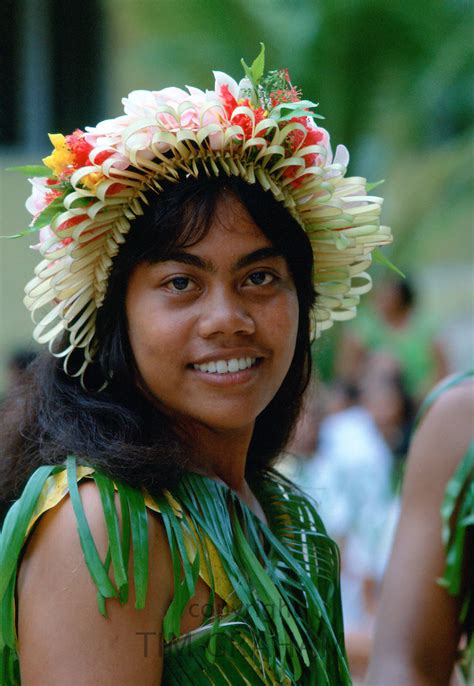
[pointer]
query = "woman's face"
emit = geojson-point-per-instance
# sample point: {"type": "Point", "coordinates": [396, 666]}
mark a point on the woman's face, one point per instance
{"type": "Point", "coordinates": [213, 327]}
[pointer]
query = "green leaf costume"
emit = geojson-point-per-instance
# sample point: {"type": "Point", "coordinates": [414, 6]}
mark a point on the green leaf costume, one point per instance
{"type": "Point", "coordinates": [282, 621]}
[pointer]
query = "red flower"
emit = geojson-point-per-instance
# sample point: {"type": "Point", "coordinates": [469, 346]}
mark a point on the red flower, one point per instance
{"type": "Point", "coordinates": [79, 147]}
{"type": "Point", "coordinates": [230, 103]}
{"type": "Point", "coordinates": [242, 120]}
{"type": "Point", "coordinates": [115, 188]}
{"type": "Point", "coordinates": [51, 195]}
{"type": "Point", "coordinates": [102, 156]}
{"type": "Point", "coordinates": [245, 121]}
{"type": "Point", "coordinates": [299, 139]}
{"type": "Point", "coordinates": [72, 221]}
{"type": "Point", "coordinates": [284, 94]}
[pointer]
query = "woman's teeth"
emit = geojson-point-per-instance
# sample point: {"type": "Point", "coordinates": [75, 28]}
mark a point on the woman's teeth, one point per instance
{"type": "Point", "coordinates": [226, 366]}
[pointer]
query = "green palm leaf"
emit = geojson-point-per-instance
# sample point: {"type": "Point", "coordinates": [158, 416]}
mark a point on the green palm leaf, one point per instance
{"type": "Point", "coordinates": [107, 496]}
{"type": "Point", "coordinates": [91, 556]}
{"type": "Point", "coordinates": [12, 540]}
{"type": "Point", "coordinates": [288, 629]}
{"type": "Point", "coordinates": [139, 535]}
{"type": "Point", "coordinates": [457, 512]}
{"type": "Point", "coordinates": [183, 588]}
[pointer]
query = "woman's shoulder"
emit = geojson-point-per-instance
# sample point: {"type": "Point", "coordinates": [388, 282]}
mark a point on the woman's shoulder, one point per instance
{"type": "Point", "coordinates": [440, 469]}
{"type": "Point", "coordinates": [444, 437]}
{"type": "Point", "coordinates": [452, 394]}
{"type": "Point", "coordinates": [79, 554]}
{"type": "Point", "coordinates": [78, 545]}
{"type": "Point", "coordinates": [444, 428]}
{"type": "Point", "coordinates": [72, 509]}
{"type": "Point", "coordinates": [94, 486]}
{"type": "Point", "coordinates": [93, 505]}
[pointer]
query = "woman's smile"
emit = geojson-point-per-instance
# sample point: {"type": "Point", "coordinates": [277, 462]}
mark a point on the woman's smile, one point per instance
{"type": "Point", "coordinates": [213, 326]}
{"type": "Point", "coordinates": [226, 366]}
{"type": "Point", "coordinates": [231, 371]}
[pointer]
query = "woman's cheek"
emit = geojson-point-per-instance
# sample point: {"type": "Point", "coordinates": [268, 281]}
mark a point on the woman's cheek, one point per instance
{"type": "Point", "coordinates": [284, 323]}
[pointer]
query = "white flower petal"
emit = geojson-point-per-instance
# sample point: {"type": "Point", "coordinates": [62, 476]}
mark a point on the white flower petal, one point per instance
{"type": "Point", "coordinates": [171, 95]}
{"type": "Point", "coordinates": [139, 102]}
{"type": "Point", "coordinates": [222, 79]}
{"type": "Point", "coordinates": [342, 156]}
{"type": "Point", "coordinates": [244, 86]}
{"type": "Point", "coordinates": [196, 92]}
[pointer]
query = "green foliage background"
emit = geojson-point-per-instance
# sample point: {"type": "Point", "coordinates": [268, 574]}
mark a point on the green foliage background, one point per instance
{"type": "Point", "coordinates": [394, 82]}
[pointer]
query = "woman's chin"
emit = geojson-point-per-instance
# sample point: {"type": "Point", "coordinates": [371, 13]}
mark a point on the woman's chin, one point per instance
{"type": "Point", "coordinates": [220, 423]}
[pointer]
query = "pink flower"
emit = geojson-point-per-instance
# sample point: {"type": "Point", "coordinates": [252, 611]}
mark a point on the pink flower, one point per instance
{"type": "Point", "coordinates": [141, 105]}
{"type": "Point", "coordinates": [107, 133]}
{"type": "Point", "coordinates": [137, 129]}
{"type": "Point", "coordinates": [39, 198]}
{"type": "Point", "coordinates": [45, 234]}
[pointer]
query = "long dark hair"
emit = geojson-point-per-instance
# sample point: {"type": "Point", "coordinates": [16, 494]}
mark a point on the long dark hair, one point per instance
{"type": "Point", "coordinates": [117, 429]}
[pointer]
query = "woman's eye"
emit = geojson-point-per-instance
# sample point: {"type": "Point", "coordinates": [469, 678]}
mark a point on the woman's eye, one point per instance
{"type": "Point", "coordinates": [179, 283]}
{"type": "Point", "coordinates": [261, 278]}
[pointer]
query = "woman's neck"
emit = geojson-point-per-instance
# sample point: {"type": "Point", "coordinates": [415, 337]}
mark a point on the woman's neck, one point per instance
{"type": "Point", "coordinates": [220, 455]}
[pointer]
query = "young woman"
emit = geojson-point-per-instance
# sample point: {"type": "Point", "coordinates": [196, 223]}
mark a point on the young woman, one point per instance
{"type": "Point", "coordinates": [152, 542]}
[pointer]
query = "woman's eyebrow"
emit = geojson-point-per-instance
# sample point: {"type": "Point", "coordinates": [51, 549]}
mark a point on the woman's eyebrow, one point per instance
{"type": "Point", "coordinates": [256, 255]}
{"type": "Point", "coordinates": [189, 258]}
{"type": "Point", "coordinates": [208, 266]}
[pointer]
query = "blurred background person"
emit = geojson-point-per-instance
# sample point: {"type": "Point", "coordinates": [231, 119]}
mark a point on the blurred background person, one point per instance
{"type": "Point", "coordinates": [350, 476]}
{"type": "Point", "coordinates": [402, 332]}
{"type": "Point", "coordinates": [384, 395]}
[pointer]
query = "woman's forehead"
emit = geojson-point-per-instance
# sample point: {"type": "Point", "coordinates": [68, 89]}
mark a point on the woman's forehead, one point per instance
{"type": "Point", "coordinates": [232, 216]}
{"type": "Point", "coordinates": [230, 229]}
{"type": "Point", "coordinates": [232, 223]}
{"type": "Point", "coordinates": [214, 224]}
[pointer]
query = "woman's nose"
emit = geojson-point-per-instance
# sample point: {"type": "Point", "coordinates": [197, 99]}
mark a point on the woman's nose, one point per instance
{"type": "Point", "coordinates": [224, 312]}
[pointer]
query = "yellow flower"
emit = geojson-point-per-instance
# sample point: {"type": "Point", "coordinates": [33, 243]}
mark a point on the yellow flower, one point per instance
{"type": "Point", "coordinates": [61, 158]}
{"type": "Point", "coordinates": [91, 181]}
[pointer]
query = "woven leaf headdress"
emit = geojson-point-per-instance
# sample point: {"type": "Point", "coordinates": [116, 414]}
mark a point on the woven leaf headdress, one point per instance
{"type": "Point", "coordinates": [93, 185]}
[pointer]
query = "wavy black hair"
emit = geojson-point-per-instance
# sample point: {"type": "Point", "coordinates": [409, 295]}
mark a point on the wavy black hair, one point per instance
{"type": "Point", "coordinates": [118, 429]}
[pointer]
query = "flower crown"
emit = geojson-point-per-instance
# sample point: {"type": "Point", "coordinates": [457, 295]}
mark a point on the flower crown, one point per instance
{"type": "Point", "coordinates": [95, 181]}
